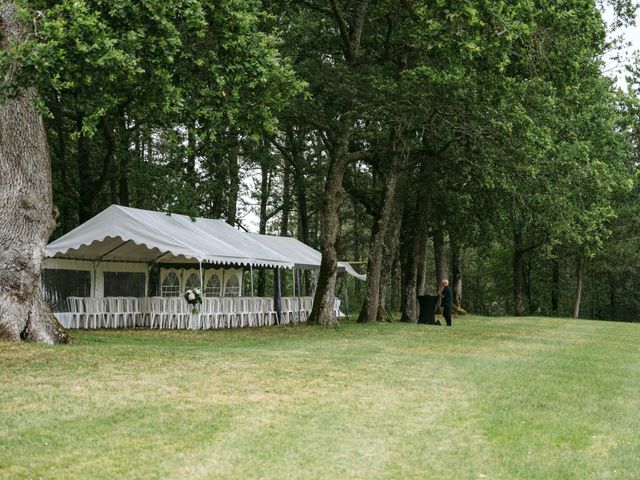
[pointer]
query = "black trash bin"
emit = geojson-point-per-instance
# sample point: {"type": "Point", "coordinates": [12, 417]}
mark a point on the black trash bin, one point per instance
{"type": "Point", "coordinates": [427, 309]}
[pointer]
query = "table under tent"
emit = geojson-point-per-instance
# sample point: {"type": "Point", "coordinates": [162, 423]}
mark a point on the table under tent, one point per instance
{"type": "Point", "coordinates": [128, 267]}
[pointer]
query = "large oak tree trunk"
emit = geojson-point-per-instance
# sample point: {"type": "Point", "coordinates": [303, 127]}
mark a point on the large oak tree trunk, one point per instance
{"type": "Point", "coordinates": [322, 312]}
{"type": "Point", "coordinates": [380, 236]}
{"type": "Point", "coordinates": [26, 210]}
{"type": "Point", "coordinates": [390, 254]}
{"type": "Point", "coordinates": [414, 254]}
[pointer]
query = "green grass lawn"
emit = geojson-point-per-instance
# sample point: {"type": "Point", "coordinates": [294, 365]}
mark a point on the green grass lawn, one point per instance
{"type": "Point", "coordinates": [488, 398]}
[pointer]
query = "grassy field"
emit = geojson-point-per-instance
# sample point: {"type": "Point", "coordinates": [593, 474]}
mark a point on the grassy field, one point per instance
{"type": "Point", "coordinates": [488, 398]}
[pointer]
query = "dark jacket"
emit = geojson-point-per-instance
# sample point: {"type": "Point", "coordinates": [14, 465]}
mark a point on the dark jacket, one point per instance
{"type": "Point", "coordinates": [447, 298]}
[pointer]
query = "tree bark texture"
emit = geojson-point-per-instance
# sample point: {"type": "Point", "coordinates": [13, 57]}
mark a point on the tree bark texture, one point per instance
{"type": "Point", "coordinates": [390, 256]}
{"type": "Point", "coordinates": [440, 256]}
{"type": "Point", "coordinates": [322, 312]}
{"type": "Point", "coordinates": [234, 185]}
{"type": "Point", "coordinates": [456, 272]}
{"type": "Point", "coordinates": [265, 191]}
{"type": "Point", "coordinates": [518, 275]}
{"type": "Point", "coordinates": [417, 232]}
{"type": "Point", "coordinates": [286, 198]}
{"type": "Point", "coordinates": [579, 280]}
{"type": "Point", "coordinates": [380, 236]}
{"type": "Point", "coordinates": [26, 210]}
{"type": "Point", "coordinates": [612, 296]}
{"type": "Point", "coordinates": [555, 286]}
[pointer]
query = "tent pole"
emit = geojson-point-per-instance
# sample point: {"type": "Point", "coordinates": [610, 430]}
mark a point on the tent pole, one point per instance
{"type": "Point", "coordinates": [201, 292]}
{"type": "Point", "coordinates": [95, 278]}
{"type": "Point", "coordinates": [346, 294]}
{"type": "Point", "coordinates": [253, 303]}
{"type": "Point", "coordinates": [315, 282]}
{"type": "Point", "coordinates": [277, 295]}
{"type": "Point", "coordinates": [298, 299]}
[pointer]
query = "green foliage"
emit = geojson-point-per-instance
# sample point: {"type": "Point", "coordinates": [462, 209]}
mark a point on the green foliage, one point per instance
{"type": "Point", "coordinates": [498, 109]}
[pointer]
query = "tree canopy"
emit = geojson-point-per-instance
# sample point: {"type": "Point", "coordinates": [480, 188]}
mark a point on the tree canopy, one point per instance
{"type": "Point", "coordinates": [426, 139]}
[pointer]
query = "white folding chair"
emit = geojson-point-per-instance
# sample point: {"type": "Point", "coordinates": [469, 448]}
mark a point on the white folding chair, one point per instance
{"type": "Point", "coordinates": [307, 305]}
{"type": "Point", "coordinates": [336, 307]}
{"type": "Point", "coordinates": [144, 306]}
{"type": "Point", "coordinates": [132, 310]}
{"type": "Point", "coordinates": [114, 316]}
{"type": "Point", "coordinates": [227, 313]}
{"type": "Point", "coordinates": [210, 314]}
{"type": "Point", "coordinates": [269, 314]}
{"type": "Point", "coordinates": [96, 312]}
{"type": "Point", "coordinates": [287, 310]}
{"type": "Point", "coordinates": [257, 314]}
{"type": "Point", "coordinates": [76, 309]}
{"type": "Point", "coordinates": [157, 311]}
{"type": "Point", "coordinates": [245, 312]}
{"type": "Point", "coordinates": [179, 312]}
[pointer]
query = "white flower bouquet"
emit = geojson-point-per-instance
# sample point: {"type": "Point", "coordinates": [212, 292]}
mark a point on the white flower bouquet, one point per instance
{"type": "Point", "coordinates": [193, 296]}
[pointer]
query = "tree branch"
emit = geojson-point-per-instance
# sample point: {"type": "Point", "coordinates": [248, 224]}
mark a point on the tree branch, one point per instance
{"type": "Point", "coordinates": [344, 31]}
{"type": "Point", "coordinates": [360, 155]}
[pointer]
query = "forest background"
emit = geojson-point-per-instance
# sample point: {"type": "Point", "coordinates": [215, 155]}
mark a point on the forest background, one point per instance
{"type": "Point", "coordinates": [476, 141]}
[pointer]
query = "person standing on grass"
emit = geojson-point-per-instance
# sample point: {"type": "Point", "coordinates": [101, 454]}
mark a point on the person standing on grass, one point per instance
{"type": "Point", "coordinates": [447, 301]}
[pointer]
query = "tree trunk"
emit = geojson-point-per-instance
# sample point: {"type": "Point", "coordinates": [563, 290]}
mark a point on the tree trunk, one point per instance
{"type": "Point", "coordinates": [555, 286]}
{"type": "Point", "coordinates": [286, 199]}
{"type": "Point", "coordinates": [579, 277]}
{"type": "Point", "coordinates": [395, 279]}
{"type": "Point", "coordinates": [417, 233]}
{"type": "Point", "coordinates": [518, 275]}
{"type": "Point", "coordinates": [456, 272]}
{"type": "Point", "coordinates": [612, 296]}
{"type": "Point", "coordinates": [234, 185]}
{"type": "Point", "coordinates": [322, 312]}
{"type": "Point", "coordinates": [191, 156]}
{"type": "Point", "coordinates": [300, 188]}
{"type": "Point", "coordinates": [379, 237]}
{"type": "Point", "coordinates": [264, 201]}
{"type": "Point", "coordinates": [421, 260]}
{"type": "Point", "coordinates": [440, 256]}
{"type": "Point", "coordinates": [390, 254]}
{"type": "Point", "coordinates": [26, 210]}
{"type": "Point", "coordinates": [357, 248]}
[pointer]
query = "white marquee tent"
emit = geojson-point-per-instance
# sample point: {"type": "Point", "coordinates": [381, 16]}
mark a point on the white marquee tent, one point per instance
{"type": "Point", "coordinates": [125, 234]}
{"type": "Point", "coordinates": [111, 255]}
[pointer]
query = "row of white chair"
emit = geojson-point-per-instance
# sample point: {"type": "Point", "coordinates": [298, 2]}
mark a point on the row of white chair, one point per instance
{"type": "Point", "coordinates": [175, 312]}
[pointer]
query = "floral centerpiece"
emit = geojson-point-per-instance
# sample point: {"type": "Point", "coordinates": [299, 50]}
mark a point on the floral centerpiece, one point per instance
{"type": "Point", "coordinates": [193, 296]}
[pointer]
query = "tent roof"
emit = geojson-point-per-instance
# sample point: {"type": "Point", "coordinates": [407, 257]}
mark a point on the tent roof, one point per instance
{"type": "Point", "coordinates": [130, 234]}
{"type": "Point", "coordinates": [134, 235]}
{"type": "Point", "coordinates": [301, 254]}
